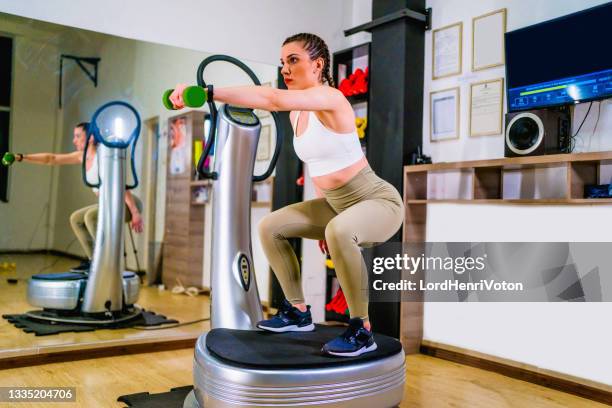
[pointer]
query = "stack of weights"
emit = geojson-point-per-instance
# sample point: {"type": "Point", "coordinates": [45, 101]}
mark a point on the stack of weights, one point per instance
{"type": "Point", "coordinates": [361, 124]}
{"type": "Point", "coordinates": [338, 302]}
{"type": "Point", "coordinates": [356, 83]}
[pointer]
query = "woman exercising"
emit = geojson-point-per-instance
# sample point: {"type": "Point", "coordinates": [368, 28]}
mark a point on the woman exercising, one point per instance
{"type": "Point", "coordinates": [83, 221]}
{"type": "Point", "coordinates": [355, 207]}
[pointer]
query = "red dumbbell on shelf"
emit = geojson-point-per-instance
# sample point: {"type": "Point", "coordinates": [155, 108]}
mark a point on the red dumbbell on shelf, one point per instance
{"type": "Point", "coordinates": [356, 83]}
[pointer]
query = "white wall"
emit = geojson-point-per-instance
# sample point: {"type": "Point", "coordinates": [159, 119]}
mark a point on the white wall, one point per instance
{"type": "Point", "coordinates": [551, 336]}
{"type": "Point", "coordinates": [242, 28]}
{"type": "Point", "coordinates": [115, 78]}
{"type": "Point", "coordinates": [359, 12]}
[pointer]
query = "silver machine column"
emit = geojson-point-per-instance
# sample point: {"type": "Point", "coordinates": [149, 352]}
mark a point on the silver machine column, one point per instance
{"type": "Point", "coordinates": [105, 294]}
{"type": "Point", "coordinates": [115, 127]}
{"type": "Point", "coordinates": [235, 299]}
{"type": "Point", "coordinates": [104, 289]}
{"type": "Point", "coordinates": [234, 132]}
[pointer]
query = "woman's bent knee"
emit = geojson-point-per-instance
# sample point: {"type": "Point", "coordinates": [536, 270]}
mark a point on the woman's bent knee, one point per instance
{"type": "Point", "coordinates": [268, 225]}
{"type": "Point", "coordinates": [337, 231]}
{"type": "Point", "coordinates": [75, 219]}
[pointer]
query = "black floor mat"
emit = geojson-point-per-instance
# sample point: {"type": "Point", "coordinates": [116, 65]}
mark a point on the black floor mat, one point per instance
{"type": "Point", "coordinates": [42, 328]}
{"type": "Point", "coordinates": [172, 399]}
{"type": "Point", "coordinates": [266, 350]}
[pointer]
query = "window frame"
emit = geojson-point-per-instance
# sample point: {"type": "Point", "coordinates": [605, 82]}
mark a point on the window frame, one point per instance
{"type": "Point", "coordinates": [5, 189]}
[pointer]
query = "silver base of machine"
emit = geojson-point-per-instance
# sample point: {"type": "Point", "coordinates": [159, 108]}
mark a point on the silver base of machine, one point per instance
{"type": "Point", "coordinates": [66, 294]}
{"type": "Point", "coordinates": [371, 384]}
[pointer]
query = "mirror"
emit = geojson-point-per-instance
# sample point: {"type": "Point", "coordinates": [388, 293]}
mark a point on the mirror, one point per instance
{"type": "Point", "coordinates": [58, 77]}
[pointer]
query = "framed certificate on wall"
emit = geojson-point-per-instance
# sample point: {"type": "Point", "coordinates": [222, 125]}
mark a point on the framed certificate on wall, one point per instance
{"type": "Point", "coordinates": [488, 40]}
{"type": "Point", "coordinates": [486, 107]}
{"type": "Point", "coordinates": [446, 51]}
{"type": "Point", "coordinates": [444, 114]}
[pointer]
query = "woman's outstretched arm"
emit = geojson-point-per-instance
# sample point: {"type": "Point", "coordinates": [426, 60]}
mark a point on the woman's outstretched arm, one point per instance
{"type": "Point", "coordinates": [320, 98]}
{"type": "Point", "coordinates": [53, 158]}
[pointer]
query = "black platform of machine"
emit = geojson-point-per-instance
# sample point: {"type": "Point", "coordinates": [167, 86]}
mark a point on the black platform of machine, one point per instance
{"type": "Point", "coordinates": [46, 328]}
{"type": "Point", "coordinates": [267, 350]}
{"type": "Point", "coordinates": [68, 276]}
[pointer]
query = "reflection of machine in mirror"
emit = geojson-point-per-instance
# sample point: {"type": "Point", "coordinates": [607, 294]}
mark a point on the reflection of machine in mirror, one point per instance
{"type": "Point", "coordinates": [235, 364]}
{"type": "Point", "coordinates": [106, 294]}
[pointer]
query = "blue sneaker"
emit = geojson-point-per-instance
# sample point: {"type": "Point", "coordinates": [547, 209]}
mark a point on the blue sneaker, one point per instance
{"type": "Point", "coordinates": [288, 318]}
{"type": "Point", "coordinates": [355, 341]}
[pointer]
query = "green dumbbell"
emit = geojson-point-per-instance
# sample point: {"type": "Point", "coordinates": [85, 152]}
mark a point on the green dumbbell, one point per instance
{"type": "Point", "coordinates": [193, 96]}
{"type": "Point", "coordinates": [8, 158]}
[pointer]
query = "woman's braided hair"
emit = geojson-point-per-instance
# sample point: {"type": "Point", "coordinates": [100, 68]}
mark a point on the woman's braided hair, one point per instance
{"type": "Point", "coordinates": [316, 48]}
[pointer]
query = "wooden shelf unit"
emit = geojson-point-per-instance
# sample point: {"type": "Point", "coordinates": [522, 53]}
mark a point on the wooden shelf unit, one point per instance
{"type": "Point", "coordinates": [183, 248]}
{"type": "Point", "coordinates": [359, 98]}
{"type": "Point", "coordinates": [487, 178]}
{"type": "Point", "coordinates": [487, 188]}
{"type": "Point", "coordinates": [487, 184]}
{"type": "Point", "coordinates": [267, 202]}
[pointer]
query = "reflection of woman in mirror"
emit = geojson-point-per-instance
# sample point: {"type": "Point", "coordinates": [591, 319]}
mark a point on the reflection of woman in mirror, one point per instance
{"type": "Point", "coordinates": [355, 207]}
{"type": "Point", "coordinates": [177, 146]}
{"type": "Point", "coordinates": [84, 221]}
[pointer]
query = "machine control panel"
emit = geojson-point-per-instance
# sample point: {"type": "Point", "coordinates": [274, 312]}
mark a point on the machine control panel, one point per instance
{"type": "Point", "coordinates": [242, 116]}
{"type": "Point", "coordinates": [244, 267]}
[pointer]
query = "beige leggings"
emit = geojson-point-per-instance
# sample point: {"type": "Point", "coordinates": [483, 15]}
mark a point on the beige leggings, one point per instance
{"type": "Point", "coordinates": [364, 211]}
{"type": "Point", "coordinates": [84, 223]}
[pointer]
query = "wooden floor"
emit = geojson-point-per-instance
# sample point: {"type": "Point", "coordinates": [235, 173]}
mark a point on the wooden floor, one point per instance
{"type": "Point", "coordinates": [431, 382]}
{"type": "Point", "coordinates": [14, 342]}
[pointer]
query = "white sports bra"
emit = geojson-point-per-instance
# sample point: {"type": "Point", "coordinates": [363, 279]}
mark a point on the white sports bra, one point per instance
{"type": "Point", "coordinates": [92, 174]}
{"type": "Point", "coordinates": [323, 150]}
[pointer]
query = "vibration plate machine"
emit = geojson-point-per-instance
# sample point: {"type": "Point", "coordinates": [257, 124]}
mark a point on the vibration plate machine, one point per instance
{"type": "Point", "coordinates": [236, 364]}
{"type": "Point", "coordinates": [106, 294]}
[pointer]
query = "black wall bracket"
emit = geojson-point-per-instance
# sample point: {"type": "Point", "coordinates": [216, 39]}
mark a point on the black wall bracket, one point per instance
{"type": "Point", "coordinates": [424, 17]}
{"type": "Point", "coordinates": [81, 61]}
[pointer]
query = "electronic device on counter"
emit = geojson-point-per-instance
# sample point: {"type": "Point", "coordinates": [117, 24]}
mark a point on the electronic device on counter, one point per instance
{"type": "Point", "coordinates": [419, 158]}
{"type": "Point", "coordinates": [537, 132]}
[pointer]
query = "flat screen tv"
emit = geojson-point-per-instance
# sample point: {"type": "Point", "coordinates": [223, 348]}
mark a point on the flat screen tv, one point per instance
{"type": "Point", "coordinates": [561, 61]}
